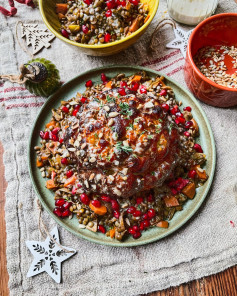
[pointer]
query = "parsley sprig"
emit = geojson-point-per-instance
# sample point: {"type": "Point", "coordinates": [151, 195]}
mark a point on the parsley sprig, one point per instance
{"type": "Point", "coordinates": [125, 109]}
{"type": "Point", "coordinates": [120, 147]}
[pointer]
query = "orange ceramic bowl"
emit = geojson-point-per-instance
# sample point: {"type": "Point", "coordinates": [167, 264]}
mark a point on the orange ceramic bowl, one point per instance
{"type": "Point", "coordinates": [220, 29]}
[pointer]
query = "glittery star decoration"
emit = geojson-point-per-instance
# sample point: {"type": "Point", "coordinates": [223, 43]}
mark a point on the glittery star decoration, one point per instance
{"type": "Point", "coordinates": [180, 41]}
{"type": "Point", "coordinates": [48, 256]}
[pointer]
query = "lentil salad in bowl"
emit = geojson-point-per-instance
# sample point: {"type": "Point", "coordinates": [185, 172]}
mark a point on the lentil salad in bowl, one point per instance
{"type": "Point", "coordinates": [94, 184]}
{"type": "Point", "coordinates": [98, 27]}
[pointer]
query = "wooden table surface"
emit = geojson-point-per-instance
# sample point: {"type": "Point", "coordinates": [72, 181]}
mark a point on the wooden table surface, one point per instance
{"type": "Point", "coordinates": [221, 284]}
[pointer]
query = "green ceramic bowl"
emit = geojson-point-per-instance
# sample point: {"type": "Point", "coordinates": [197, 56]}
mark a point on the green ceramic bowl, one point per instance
{"type": "Point", "coordinates": [69, 90]}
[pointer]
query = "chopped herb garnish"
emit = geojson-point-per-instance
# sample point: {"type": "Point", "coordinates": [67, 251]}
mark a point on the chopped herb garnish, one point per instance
{"type": "Point", "coordinates": [129, 127]}
{"type": "Point", "coordinates": [136, 120]}
{"type": "Point", "coordinates": [112, 128]}
{"type": "Point", "coordinates": [158, 128]}
{"type": "Point", "coordinates": [170, 127]}
{"type": "Point", "coordinates": [96, 135]}
{"type": "Point", "coordinates": [110, 99]}
{"type": "Point", "coordinates": [153, 173]}
{"type": "Point", "coordinates": [120, 147]}
{"type": "Point", "coordinates": [125, 109]}
{"type": "Point", "coordinates": [97, 100]}
{"type": "Point", "coordinates": [160, 120]}
{"type": "Point", "coordinates": [108, 157]}
{"type": "Point", "coordinates": [135, 156]}
{"type": "Point", "coordinates": [150, 137]}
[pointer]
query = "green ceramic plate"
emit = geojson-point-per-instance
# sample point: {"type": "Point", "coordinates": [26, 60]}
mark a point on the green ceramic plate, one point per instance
{"type": "Point", "coordinates": [69, 90]}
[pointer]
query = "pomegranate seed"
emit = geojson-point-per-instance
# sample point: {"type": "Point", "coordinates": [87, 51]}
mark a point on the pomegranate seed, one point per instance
{"type": "Point", "coordinates": [79, 185]}
{"type": "Point", "coordinates": [107, 37]}
{"type": "Point", "coordinates": [110, 4]}
{"type": "Point", "coordinates": [163, 92]}
{"type": "Point", "coordinates": [189, 109]}
{"type": "Point", "coordinates": [85, 199]}
{"type": "Point", "coordinates": [108, 14]}
{"type": "Point", "coordinates": [66, 213]}
{"type": "Point", "coordinates": [101, 228]}
{"type": "Point", "coordinates": [151, 213]}
{"type": "Point", "coordinates": [83, 99]}
{"type": "Point", "coordinates": [145, 216]}
{"type": "Point", "coordinates": [198, 148]}
{"type": "Point", "coordinates": [135, 228]}
{"type": "Point", "coordinates": [123, 84]}
{"type": "Point", "coordinates": [116, 214]}
{"type": "Point", "coordinates": [41, 134]}
{"type": "Point", "coordinates": [139, 200]}
{"type": "Point", "coordinates": [141, 225]}
{"type": "Point", "coordinates": [54, 137]}
{"type": "Point", "coordinates": [57, 212]}
{"type": "Point", "coordinates": [69, 174]}
{"type": "Point", "coordinates": [150, 198]}
{"type": "Point", "coordinates": [61, 141]}
{"type": "Point", "coordinates": [131, 210]}
{"type": "Point", "coordinates": [146, 223]}
{"type": "Point", "coordinates": [143, 89]}
{"type": "Point", "coordinates": [137, 235]}
{"type": "Point", "coordinates": [65, 109]}
{"type": "Point", "coordinates": [55, 130]}
{"type": "Point", "coordinates": [174, 110]}
{"type": "Point", "coordinates": [74, 112]}
{"type": "Point", "coordinates": [122, 91]}
{"type": "Point", "coordinates": [131, 230]}
{"type": "Point", "coordinates": [134, 2]}
{"type": "Point", "coordinates": [96, 203]}
{"type": "Point", "coordinates": [174, 191]}
{"type": "Point", "coordinates": [59, 202]}
{"type": "Point", "coordinates": [192, 174]}
{"type": "Point", "coordinates": [67, 205]}
{"type": "Point", "coordinates": [166, 107]}
{"type": "Point", "coordinates": [103, 77]}
{"type": "Point", "coordinates": [137, 213]}
{"type": "Point", "coordinates": [74, 190]}
{"type": "Point", "coordinates": [180, 120]}
{"type": "Point", "coordinates": [89, 83]}
{"type": "Point", "coordinates": [123, 3]}
{"type": "Point", "coordinates": [46, 135]}
{"type": "Point", "coordinates": [88, 2]}
{"type": "Point", "coordinates": [64, 161]}
{"type": "Point", "coordinates": [85, 29]}
{"type": "Point", "coordinates": [187, 134]}
{"type": "Point", "coordinates": [188, 124]}
{"type": "Point", "coordinates": [135, 86]}
{"type": "Point", "coordinates": [115, 205]}
{"type": "Point", "coordinates": [65, 33]}
{"type": "Point", "coordinates": [106, 198]}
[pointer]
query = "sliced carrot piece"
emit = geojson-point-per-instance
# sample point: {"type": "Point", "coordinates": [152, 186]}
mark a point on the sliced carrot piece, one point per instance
{"type": "Point", "coordinates": [146, 19]}
{"type": "Point", "coordinates": [134, 26]}
{"type": "Point", "coordinates": [61, 16]}
{"type": "Point", "coordinates": [201, 175]}
{"type": "Point", "coordinates": [99, 211]}
{"type": "Point", "coordinates": [39, 163]}
{"type": "Point", "coordinates": [137, 78]}
{"type": "Point", "coordinates": [112, 233]}
{"type": "Point", "coordinates": [61, 8]}
{"type": "Point", "coordinates": [108, 84]}
{"type": "Point", "coordinates": [51, 123]}
{"type": "Point", "coordinates": [50, 184]}
{"type": "Point", "coordinates": [189, 190]}
{"type": "Point", "coordinates": [70, 181]}
{"type": "Point", "coordinates": [171, 201]}
{"type": "Point", "coordinates": [53, 175]}
{"type": "Point", "coordinates": [163, 224]}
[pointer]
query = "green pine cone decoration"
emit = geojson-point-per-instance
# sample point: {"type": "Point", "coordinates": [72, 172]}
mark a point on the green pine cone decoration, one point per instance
{"type": "Point", "coordinates": [47, 78]}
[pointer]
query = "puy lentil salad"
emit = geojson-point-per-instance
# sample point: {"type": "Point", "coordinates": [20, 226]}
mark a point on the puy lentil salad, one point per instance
{"type": "Point", "coordinates": [122, 156]}
{"type": "Point", "coordinates": [99, 21]}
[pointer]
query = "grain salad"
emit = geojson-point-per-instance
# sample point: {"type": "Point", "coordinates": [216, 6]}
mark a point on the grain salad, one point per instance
{"type": "Point", "coordinates": [98, 22]}
{"type": "Point", "coordinates": [121, 156]}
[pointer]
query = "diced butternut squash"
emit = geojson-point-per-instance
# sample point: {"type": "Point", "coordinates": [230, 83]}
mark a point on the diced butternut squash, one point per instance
{"type": "Point", "coordinates": [137, 78]}
{"type": "Point", "coordinates": [50, 184]}
{"type": "Point", "coordinates": [99, 211]}
{"type": "Point", "coordinates": [70, 181]}
{"type": "Point", "coordinates": [112, 233]}
{"type": "Point", "coordinates": [39, 163]}
{"type": "Point", "coordinates": [61, 16]}
{"type": "Point", "coordinates": [163, 224]}
{"type": "Point", "coordinates": [61, 8]}
{"type": "Point", "coordinates": [108, 85]}
{"type": "Point", "coordinates": [189, 190]}
{"type": "Point", "coordinates": [171, 201]}
{"type": "Point", "coordinates": [200, 172]}
{"type": "Point", "coordinates": [51, 123]}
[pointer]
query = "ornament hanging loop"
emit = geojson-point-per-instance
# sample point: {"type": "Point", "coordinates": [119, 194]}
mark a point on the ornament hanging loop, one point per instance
{"type": "Point", "coordinates": [25, 74]}
{"type": "Point", "coordinates": [161, 24]}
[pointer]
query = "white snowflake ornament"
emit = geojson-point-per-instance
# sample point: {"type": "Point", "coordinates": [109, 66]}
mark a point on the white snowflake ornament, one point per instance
{"type": "Point", "coordinates": [181, 40]}
{"type": "Point", "coordinates": [48, 256]}
{"type": "Point", "coordinates": [36, 35]}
